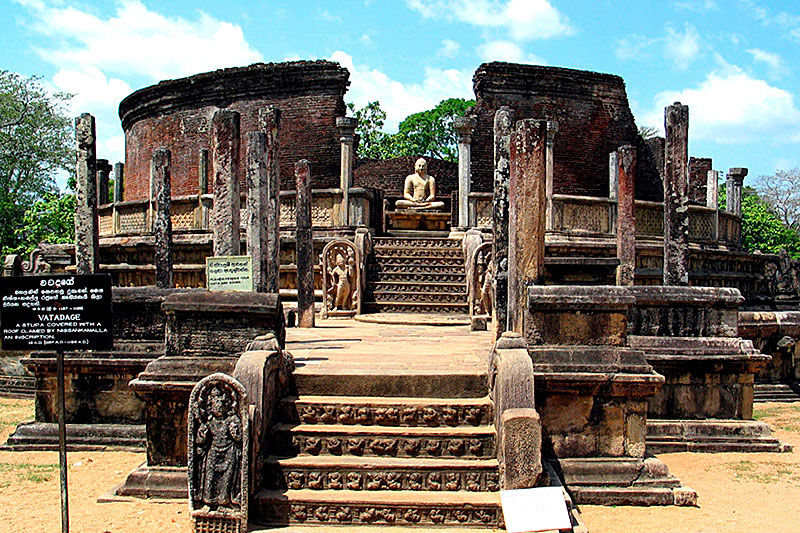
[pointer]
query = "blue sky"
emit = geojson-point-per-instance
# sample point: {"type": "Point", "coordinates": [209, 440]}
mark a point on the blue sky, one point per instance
{"type": "Point", "coordinates": [734, 63]}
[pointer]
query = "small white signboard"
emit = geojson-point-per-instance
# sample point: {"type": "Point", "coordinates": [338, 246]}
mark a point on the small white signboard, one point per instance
{"type": "Point", "coordinates": [229, 273]}
{"type": "Point", "coordinates": [536, 509]}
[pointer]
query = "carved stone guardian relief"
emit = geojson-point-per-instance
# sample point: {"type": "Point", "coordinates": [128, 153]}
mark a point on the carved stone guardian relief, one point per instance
{"type": "Point", "coordinates": [218, 444]}
{"type": "Point", "coordinates": [481, 276]}
{"type": "Point", "coordinates": [782, 277]}
{"type": "Point", "coordinates": [341, 275]}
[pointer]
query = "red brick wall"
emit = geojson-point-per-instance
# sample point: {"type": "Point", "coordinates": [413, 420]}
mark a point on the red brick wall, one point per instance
{"type": "Point", "coordinates": [591, 109]}
{"type": "Point", "coordinates": [698, 177]}
{"type": "Point", "coordinates": [177, 115]}
{"type": "Point", "coordinates": [389, 175]}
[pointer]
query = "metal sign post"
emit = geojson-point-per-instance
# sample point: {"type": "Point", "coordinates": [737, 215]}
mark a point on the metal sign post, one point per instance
{"type": "Point", "coordinates": [71, 312]}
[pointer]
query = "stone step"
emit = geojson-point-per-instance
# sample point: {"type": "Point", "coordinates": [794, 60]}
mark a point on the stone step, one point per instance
{"type": "Point", "coordinates": [382, 411]}
{"type": "Point", "coordinates": [664, 436]}
{"type": "Point", "coordinates": [414, 249]}
{"type": "Point", "coordinates": [17, 386]}
{"type": "Point", "coordinates": [454, 275]}
{"type": "Point", "coordinates": [425, 509]}
{"type": "Point", "coordinates": [422, 263]}
{"type": "Point", "coordinates": [379, 243]}
{"type": "Point", "coordinates": [775, 392]}
{"type": "Point", "coordinates": [414, 307]}
{"type": "Point", "coordinates": [381, 473]}
{"type": "Point", "coordinates": [411, 287]}
{"type": "Point", "coordinates": [381, 441]}
{"type": "Point", "coordinates": [417, 297]}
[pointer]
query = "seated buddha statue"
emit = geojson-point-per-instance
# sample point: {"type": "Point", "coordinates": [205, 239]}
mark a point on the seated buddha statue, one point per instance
{"type": "Point", "coordinates": [419, 190]}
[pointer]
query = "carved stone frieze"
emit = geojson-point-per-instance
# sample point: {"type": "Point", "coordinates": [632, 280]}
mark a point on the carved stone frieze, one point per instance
{"type": "Point", "coordinates": [450, 415]}
{"type": "Point", "coordinates": [418, 515]}
{"type": "Point", "coordinates": [394, 447]}
{"type": "Point", "coordinates": [447, 479]}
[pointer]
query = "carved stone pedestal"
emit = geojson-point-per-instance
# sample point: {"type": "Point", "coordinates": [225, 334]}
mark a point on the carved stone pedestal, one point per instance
{"type": "Point", "coordinates": [420, 220]}
{"type": "Point", "coordinates": [206, 333]}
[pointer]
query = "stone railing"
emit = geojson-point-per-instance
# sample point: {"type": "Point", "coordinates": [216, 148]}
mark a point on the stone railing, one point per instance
{"type": "Point", "coordinates": [583, 214]}
{"type": "Point", "coordinates": [480, 209]}
{"type": "Point", "coordinates": [192, 212]}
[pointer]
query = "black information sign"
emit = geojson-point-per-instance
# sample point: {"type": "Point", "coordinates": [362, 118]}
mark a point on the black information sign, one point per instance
{"type": "Point", "coordinates": [71, 312]}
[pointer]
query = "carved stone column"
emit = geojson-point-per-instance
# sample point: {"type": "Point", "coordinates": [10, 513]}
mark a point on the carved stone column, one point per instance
{"type": "Point", "coordinates": [269, 122]}
{"type": "Point", "coordinates": [676, 198]}
{"type": "Point", "coordinates": [613, 175]}
{"type": "Point", "coordinates": [305, 246]}
{"type": "Point", "coordinates": [103, 176]}
{"type": "Point", "coordinates": [464, 127]}
{"type": "Point", "coordinates": [87, 232]}
{"type": "Point", "coordinates": [503, 126]}
{"type": "Point", "coordinates": [527, 206]}
{"type": "Point", "coordinates": [257, 207]}
{"type": "Point", "coordinates": [225, 172]}
{"type": "Point", "coordinates": [736, 177]}
{"type": "Point", "coordinates": [347, 128]}
{"type": "Point", "coordinates": [119, 182]}
{"type": "Point", "coordinates": [712, 199]}
{"type": "Point", "coordinates": [552, 129]}
{"type": "Point", "coordinates": [626, 221]}
{"type": "Point", "coordinates": [160, 176]}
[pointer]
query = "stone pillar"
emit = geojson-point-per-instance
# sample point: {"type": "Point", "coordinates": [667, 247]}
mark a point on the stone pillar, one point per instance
{"type": "Point", "coordinates": [527, 205]}
{"type": "Point", "coordinates": [464, 127]}
{"type": "Point", "coordinates": [257, 207]}
{"type": "Point", "coordinates": [347, 127]}
{"type": "Point", "coordinates": [552, 129]}
{"type": "Point", "coordinates": [676, 199]}
{"type": "Point", "coordinates": [733, 191]}
{"type": "Point", "coordinates": [269, 122]}
{"type": "Point", "coordinates": [305, 246]}
{"type": "Point", "coordinates": [626, 221]}
{"type": "Point", "coordinates": [503, 126]}
{"type": "Point", "coordinates": [202, 173]}
{"type": "Point", "coordinates": [87, 232]}
{"type": "Point", "coordinates": [162, 223]}
{"type": "Point", "coordinates": [119, 182]}
{"type": "Point", "coordinates": [103, 176]}
{"type": "Point", "coordinates": [225, 172]}
{"type": "Point", "coordinates": [712, 189]}
{"type": "Point", "coordinates": [613, 176]}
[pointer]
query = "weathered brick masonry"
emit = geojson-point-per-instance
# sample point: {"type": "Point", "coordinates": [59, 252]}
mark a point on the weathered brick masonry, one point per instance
{"type": "Point", "coordinates": [593, 118]}
{"type": "Point", "coordinates": [698, 176]}
{"type": "Point", "coordinates": [177, 113]}
{"type": "Point", "coordinates": [389, 175]}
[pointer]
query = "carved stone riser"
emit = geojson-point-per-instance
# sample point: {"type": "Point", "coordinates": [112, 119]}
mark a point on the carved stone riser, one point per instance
{"type": "Point", "coordinates": [414, 277]}
{"type": "Point", "coordinates": [482, 447]}
{"type": "Point", "coordinates": [387, 415]}
{"type": "Point", "coordinates": [338, 478]}
{"type": "Point", "coordinates": [382, 286]}
{"type": "Point", "coordinates": [415, 515]}
{"type": "Point", "coordinates": [419, 298]}
{"type": "Point", "coordinates": [377, 273]}
{"type": "Point", "coordinates": [381, 243]}
{"type": "Point", "coordinates": [420, 262]}
{"type": "Point", "coordinates": [386, 307]}
{"type": "Point", "coordinates": [388, 253]}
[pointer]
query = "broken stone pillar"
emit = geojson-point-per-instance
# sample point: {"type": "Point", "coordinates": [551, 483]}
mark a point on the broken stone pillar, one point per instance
{"type": "Point", "coordinates": [503, 124]}
{"type": "Point", "coordinates": [305, 246]}
{"type": "Point", "coordinates": [676, 199]}
{"type": "Point", "coordinates": [257, 207]}
{"type": "Point", "coordinates": [464, 127]}
{"type": "Point", "coordinates": [526, 214]}
{"type": "Point", "coordinates": [269, 122]}
{"type": "Point", "coordinates": [712, 199]}
{"type": "Point", "coordinates": [225, 171]}
{"type": "Point", "coordinates": [733, 191]}
{"type": "Point", "coordinates": [202, 171]}
{"type": "Point", "coordinates": [119, 182]}
{"type": "Point", "coordinates": [552, 129]}
{"type": "Point", "coordinates": [162, 223]}
{"type": "Point", "coordinates": [347, 128]}
{"type": "Point", "coordinates": [613, 175]}
{"type": "Point", "coordinates": [103, 176]}
{"type": "Point", "coordinates": [87, 232]}
{"type": "Point", "coordinates": [626, 220]}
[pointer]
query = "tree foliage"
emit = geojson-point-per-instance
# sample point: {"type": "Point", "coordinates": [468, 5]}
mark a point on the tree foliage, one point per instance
{"type": "Point", "coordinates": [51, 220]}
{"type": "Point", "coordinates": [427, 133]}
{"type": "Point", "coordinates": [35, 144]}
{"type": "Point", "coordinates": [782, 191]}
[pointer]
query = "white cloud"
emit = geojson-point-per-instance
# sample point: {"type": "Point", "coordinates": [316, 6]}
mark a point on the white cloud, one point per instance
{"type": "Point", "coordinates": [682, 47]}
{"type": "Point", "coordinates": [449, 48]}
{"type": "Point", "coordinates": [775, 63]}
{"type": "Point", "coordinates": [524, 19]}
{"type": "Point", "coordinates": [696, 6]}
{"type": "Point", "coordinates": [138, 41]}
{"type": "Point", "coordinates": [507, 51]}
{"type": "Point", "coordinates": [634, 47]}
{"type": "Point", "coordinates": [398, 99]}
{"type": "Point", "coordinates": [731, 107]}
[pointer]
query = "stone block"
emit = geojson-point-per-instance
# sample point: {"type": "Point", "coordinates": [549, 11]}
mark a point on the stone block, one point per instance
{"type": "Point", "coordinates": [521, 448]}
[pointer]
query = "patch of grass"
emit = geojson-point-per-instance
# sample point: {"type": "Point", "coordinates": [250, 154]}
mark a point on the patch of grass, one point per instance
{"type": "Point", "coordinates": [766, 472]}
{"type": "Point", "coordinates": [785, 417]}
{"type": "Point", "coordinates": [20, 472]}
{"type": "Point", "coordinates": [13, 411]}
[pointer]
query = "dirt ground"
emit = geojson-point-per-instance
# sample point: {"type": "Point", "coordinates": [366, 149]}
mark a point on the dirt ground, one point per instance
{"type": "Point", "coordinates": [737, 492]}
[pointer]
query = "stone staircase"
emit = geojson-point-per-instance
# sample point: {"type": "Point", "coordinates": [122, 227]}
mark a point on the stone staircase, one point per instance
{"type": "Point", "coordinates": [352, 457]}
{"type": "Point", "coordinates": [776, 392]}
{"type": "Point", "coordinates": [416, 275]}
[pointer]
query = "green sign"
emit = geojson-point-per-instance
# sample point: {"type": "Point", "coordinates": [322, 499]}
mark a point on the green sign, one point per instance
{"type": "Point", "coordinates": [229, 273]}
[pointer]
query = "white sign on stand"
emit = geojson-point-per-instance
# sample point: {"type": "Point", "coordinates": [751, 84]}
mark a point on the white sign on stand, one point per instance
{"type": "Point", "coordinates": [536, 509]}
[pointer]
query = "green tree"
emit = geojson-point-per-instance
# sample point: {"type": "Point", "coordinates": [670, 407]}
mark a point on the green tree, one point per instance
{"type": "Point", "coordinates": [427, 133]}
{"type": "Point", "coordinates": [51, 219]}
{"type": "Point", "coordinates": [35, 144]}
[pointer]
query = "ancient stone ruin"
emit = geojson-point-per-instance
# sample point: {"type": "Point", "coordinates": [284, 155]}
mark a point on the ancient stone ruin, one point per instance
{"type": "Point", "coordinates": [598, 304]}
